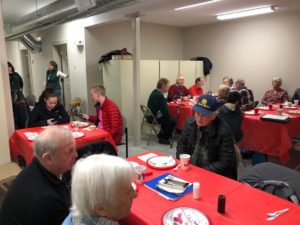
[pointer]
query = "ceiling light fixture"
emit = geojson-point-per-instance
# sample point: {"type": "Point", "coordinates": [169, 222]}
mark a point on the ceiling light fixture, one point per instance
{"type": "Point", "coordinates": [246, 12]}
{"type": "Point", "coordinates": [198, 4]}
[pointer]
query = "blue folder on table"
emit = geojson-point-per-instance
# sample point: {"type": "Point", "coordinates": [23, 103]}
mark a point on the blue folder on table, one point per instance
{"type": "Point", "coordinates": [152, 184]}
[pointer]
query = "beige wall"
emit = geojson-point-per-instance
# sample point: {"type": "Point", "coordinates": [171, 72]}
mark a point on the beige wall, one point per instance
{"type": "Point", "coordinates": [255, 49]}
{"type": "Point", "coordinates": [6, 117]}
{"type": "Point", "coordinates": [157, 42]}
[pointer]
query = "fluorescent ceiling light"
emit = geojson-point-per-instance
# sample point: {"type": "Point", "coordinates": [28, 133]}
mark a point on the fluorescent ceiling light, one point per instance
{"type": "Point", "coordinates": [246, 12]}
{"type": "Point", "coordinates": [198, 4]}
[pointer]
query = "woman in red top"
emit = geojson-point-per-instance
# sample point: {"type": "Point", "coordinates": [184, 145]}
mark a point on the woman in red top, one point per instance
{"type": "Point", "coordinates": [196, 89]}
{"type": "Point", "coordinates": [108, 116]}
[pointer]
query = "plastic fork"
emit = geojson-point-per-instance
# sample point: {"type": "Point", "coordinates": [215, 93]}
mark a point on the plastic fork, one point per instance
{"type": "Point", "coordinates": [176, 168]}
{"type": "Point", "coordinates": [274, 215]}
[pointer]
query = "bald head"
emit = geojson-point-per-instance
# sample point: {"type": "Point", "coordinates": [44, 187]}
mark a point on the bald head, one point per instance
{"type": "Point", "coordinates": [180, 79]}
{"type": "Point", "coordinates": [50, 140]}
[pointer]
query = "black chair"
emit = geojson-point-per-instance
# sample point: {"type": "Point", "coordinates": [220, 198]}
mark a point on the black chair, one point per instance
{"type": "Point", "coordinates": [124, 131]}
{"type": "Point", "coordinates": [274, 179]}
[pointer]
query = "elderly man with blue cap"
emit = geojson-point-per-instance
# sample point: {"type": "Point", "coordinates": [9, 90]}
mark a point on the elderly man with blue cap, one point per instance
{"type": "Point", "coordinates": [208, 139]}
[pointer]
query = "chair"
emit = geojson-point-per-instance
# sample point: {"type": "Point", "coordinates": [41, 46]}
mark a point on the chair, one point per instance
{"type": "Point", "coordinates": [296, 142]}
{"type": "Point", "coordinates": [124, 131]}
{"type": "Point", "coordinates": [8, 173]}
{"type": "Point", "coordinates": [75, 106]}
{"type": "Point", "coordinates": [154, 125]}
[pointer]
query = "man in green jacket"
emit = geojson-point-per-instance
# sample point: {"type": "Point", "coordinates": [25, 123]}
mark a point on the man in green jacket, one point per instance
{"type": "Point", "coordinates": [157, 103]}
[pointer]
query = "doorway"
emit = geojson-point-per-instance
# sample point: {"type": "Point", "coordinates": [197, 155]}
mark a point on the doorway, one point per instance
{"type": "Point", "coordinates": [60, 55]}
{"type": "Point", "coordinates": [27, 78]}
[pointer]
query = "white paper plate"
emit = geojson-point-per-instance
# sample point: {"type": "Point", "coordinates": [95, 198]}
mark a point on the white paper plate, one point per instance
{"type": "Point", "coordinates": [186, 216]}
{"type": "Point", "coordinates": [80, 124]}
{"type": "Point", "coordinates": [77, 134]}
{"type": "Point", "coordinates": [251, 112]}
{"type": "Point", "coordinates": [161, 162]}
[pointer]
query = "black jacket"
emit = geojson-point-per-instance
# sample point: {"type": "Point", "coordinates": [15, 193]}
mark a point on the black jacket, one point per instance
{"type": "Point", "coordinates": [234, 120]}
{"type": "Point", "coordinates": [221, 153]}
{"type": "Point", "coordinates": [36, 197]}
{"type": "Point", "coordinates": [40, 114]}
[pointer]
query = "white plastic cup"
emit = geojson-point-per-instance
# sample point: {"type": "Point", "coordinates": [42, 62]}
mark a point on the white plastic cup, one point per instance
{"type": "Point", "coordinates": [140, 172]}
{"type": "Point", "coordinates": [185, 161]}
{"type": "Point", "coordinates": [196, 190]}
{"type": "Point", "coordinates": [296, 102]}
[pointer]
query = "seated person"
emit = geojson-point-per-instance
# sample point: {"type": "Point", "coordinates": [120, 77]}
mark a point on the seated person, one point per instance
{"type": "Point", "coordinates": [108, 116]}
{"type": "Point", "coordinates": [275, 95]}
{"type": "Point", "coordinates": [40, 195]}
{"type": "Point", "coordinates": [296, 95]}
{"type": "Point", "coordinates": [246, 93]}
{"type": "Point", "coordinates": [196, 89]}
{"type": "Point", "coordinates": [48, 111]}
{"type": "Point", "coordinates": [228, 81]}
{"type": "Point", "coordinates": [159, 107]}
{"type": "Point", "coordinates": [178, 90]}
{"type": "Point", "coordinates": [222, 94]}
{"type": "Point", "coordinates": [102, 192]}
{"type": "Point", "coordinates": [208, 139]}
{"type": "Point", "coordinates": [231, 113]}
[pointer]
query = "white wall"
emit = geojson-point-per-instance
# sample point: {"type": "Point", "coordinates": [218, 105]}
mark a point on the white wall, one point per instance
{"type": "Point", "coordinates": [6, 117]}
{"type": "Point", "coordinates": [157, 42]}
{"type": "Point", "coordinates": [70, 34]}
{"type": "Point", "coordinates": [254, 49]}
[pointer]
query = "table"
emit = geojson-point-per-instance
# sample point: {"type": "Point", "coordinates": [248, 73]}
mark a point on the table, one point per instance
{"type": "Point", "coordinates": [20, 146]}
{"type": "Point", "coordinates": [185, 111]}
{"type": "Point", "coordinates": [267, 137]}
{"type": "Point", "coordinates": [244, 204]}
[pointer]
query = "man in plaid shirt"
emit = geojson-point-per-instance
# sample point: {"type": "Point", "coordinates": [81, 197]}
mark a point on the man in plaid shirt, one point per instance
{"type": "Point", "coordinates": [275, 95]}
{"type": "Point", "coordinates": [246, 94]}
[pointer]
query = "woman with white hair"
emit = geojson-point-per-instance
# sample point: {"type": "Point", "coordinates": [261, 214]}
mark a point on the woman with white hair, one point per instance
{"type": "Point", "coordinates": [275, 95]}
{"type": "Point", "coordinates": [101, 191]}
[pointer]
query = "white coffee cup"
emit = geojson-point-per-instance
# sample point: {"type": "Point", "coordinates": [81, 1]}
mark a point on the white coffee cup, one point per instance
{"type": "Point", "coordinates": [185, 161]}
{"type": "Point", "coordinates": [140, 172]}
{"type": "Point", "coordinates": [296, 102]}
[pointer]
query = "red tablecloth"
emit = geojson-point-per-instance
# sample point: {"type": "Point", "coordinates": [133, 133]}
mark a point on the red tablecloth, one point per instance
{"type": "Point", "coordinates": [244, 205]}
{"type": "Point", "coordinates": [267, 137]}
{"type": "Point", "coordinates": [185, 111]}
{"type": "Point", "coordinates": [20, 146]}
{"type": "Point", "coordinates": [261, 136]}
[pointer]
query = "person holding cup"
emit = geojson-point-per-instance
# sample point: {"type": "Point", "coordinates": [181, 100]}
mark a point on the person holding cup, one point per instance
{"type": "Point", "coordinates": [208, 139]}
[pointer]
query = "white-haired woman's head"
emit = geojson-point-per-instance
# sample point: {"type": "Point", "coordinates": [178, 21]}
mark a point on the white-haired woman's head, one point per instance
{"type": "Point", "coordinates": [101, 186]}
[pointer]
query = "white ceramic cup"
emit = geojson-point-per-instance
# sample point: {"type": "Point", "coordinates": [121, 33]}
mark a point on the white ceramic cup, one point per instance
{"type": "Point", "coordinates": [296, 102]}
{"type": "Point", "coordinates": [185, 161]}
{"type": "Point", "coordinates": [140, 172]}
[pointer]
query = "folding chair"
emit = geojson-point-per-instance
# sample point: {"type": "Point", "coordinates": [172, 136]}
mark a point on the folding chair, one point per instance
{"type": "Point", "coordinates": [154, 125]}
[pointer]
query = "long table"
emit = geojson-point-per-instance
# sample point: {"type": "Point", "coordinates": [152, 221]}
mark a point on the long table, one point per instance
{"type": "Point", "coordinates": [270, 138]}
{"type": "Point", "coordinates": [244, 204]}
{"type": "Point", "coordinates": [20, 146]}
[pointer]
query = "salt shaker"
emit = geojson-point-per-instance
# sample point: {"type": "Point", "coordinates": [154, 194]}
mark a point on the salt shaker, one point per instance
{"type": "Point", "coordinates": [196, 190]}
{"type": "Point", "coordinates": [221, 203]}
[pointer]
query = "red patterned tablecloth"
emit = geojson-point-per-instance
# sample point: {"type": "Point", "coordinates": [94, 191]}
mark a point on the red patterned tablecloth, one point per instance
{"type": "Point", "coordinates": [244, 205]}
{"type": "Point", "coordinates": [20, 146]}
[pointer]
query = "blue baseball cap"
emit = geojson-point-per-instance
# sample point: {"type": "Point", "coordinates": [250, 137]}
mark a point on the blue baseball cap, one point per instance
{"type": "Point", "coordinates": [206, 105]}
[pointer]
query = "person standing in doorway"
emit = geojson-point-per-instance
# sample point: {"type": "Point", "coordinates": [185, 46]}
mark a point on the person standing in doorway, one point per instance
{"type": "Point", "coordinates": [53, 76]}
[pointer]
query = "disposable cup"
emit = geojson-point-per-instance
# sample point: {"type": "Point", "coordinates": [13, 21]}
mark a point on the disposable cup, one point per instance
{"type": "Point", "coordinates": [185, 161]}
{"type": "Point", "coordinates": [140, 172]}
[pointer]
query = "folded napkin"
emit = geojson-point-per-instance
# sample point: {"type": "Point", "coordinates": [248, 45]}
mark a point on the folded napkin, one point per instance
{"type": "Point", "coordinates": [31, 135]}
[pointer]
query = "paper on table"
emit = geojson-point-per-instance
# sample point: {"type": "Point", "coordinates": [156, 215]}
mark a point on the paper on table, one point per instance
{"type": "Point", "coordinates": [146, 157]}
